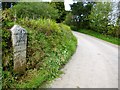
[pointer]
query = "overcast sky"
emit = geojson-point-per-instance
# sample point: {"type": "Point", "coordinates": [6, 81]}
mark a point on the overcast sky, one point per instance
{"type": "Point", "coordinates": [66, 3]}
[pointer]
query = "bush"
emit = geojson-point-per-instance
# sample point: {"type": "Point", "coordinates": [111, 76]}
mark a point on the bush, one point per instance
{"type": "Point", "coordinates": [0, 77]}
{"type": "Point", "coordinates": [7, 23]}
{"type": "Point", "coordinates": [49, 47]}
{"type": "Point", "coordinates": [100, 22]}
{"type": "Point", "coordinates": [113, 31]}
{"type": "Point", "coordinates": [99, 17]}
{"type": "Point", "coordinates": [35, 10]}
{"type": "Point", "coordinates": [7, 56]}
{"type": "Point", "coordinates": [43, 40]}
{"type": "Point", "coordinates": [68, 19]}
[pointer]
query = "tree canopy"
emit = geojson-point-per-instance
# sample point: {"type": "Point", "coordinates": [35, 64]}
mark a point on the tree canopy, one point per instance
{"type": "Point", "coordinates": [80, 12]}
{"type": "Point", "coordinates": [61, 10]}
{"type": "Point", "coordinates": [7, 4]}
{"type": "Point", "coordinates": [35, 10]}
{"type": "Point", "coordinates": [99, 17]}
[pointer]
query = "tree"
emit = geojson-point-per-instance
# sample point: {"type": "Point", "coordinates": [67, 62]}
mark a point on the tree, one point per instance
{"type": "Point", "coordinates": [68, 19]}
{"type": "Point", "coordinates": [35, 10]}
{"type": "Point", "coordinates": [99, 17]}
{"type": "Point", "coordinates": [118, 22]}
{"type": "Point", "coordinates": [80, 11]}
{"type": "Point", "coordinates": [7, 4]}
{"type": "Point", "coordinates": [61, 10]}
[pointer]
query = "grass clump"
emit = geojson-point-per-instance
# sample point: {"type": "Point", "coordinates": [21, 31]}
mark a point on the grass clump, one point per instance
{"type": "Point", "coordinates": [0, 72]}
{"type": "Point", "coordinates": [49, 47]}
{"type": "Point", "coordinates": [108, 38]}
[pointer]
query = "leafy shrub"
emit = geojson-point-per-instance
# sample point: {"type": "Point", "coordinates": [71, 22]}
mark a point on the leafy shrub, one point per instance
{"type": "Point", "coordinates": [7, 56]}
{"type": "Point", "coordinates": [42, 39]}
{"type": "Point", "coordinates": [7, 23]}
{"type": "Point", "coordinates": [7, 18]}
{"type": "Point", "coordinates": [35, 10]}
{"type": "Point", "coordinates": [68, 19]}
{"type": "Point", "coordinates": [0, 77]}
{"type": "Point", "coordinates": [61, 10]}
{"type": "Point", "coordinates": [49, 47]}
{"type": "Point", "coordinates": [99, 17]}
{"type": "Point", "coordinates": [100, 22]}
{"type": "Point", "coordinates": [113, 31]}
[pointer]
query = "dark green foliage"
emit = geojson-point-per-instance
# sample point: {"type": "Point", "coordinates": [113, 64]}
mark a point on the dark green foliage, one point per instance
{"type": "Point", "coordinates": [7, 23]}
{"type": "Point", "coordinates": [35, 10]}
{"type": "Point", "coordinates": [6, 5]}
{"type": "Point", "coordinates": [7, 18]}
{"type": "Point", "coordinates": [68, 19]}
{"type": "Point", "coordinates": [61, 10]}
{"type": "Point", "coordinates": [80, 12]}
{"type": "Point", "coordinates": [113, 31]}
{"type": "Point", "coordinates": [0, 77]}
{"type": "Point", "coordinates": [7, 56]}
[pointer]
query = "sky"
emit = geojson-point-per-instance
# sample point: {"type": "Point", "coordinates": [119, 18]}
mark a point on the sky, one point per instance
{"type": "Point", "coordinates": [66, 3]}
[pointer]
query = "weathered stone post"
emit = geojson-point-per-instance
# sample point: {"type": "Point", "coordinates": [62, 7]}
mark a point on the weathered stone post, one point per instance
{"type": "Point", "coordinates": [19, 41]}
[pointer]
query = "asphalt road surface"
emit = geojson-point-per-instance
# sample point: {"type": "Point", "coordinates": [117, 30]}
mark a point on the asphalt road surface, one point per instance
{"type": "Point", "coordinates": [94, 65]}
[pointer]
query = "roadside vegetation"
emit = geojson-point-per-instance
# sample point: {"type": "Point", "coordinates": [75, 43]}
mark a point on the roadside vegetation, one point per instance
{"type": "Point", "coordinates": [50, 42]}
{"type": "Point", "coordinates": [35, 10]}
{"type": "Point", "coordinates": [95, 18]}
{"type": "Point", "coordinates": [0, 59]}
{"type": "Point", "coordinates": [0, 77]}
{"type": "Point", "coordinates": [108, 38]}
{"type": "Point", "coordinates": [50, 45]}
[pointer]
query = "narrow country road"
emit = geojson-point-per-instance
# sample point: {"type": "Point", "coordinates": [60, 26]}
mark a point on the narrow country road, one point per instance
{"type": "Point", "coordinates": [94, 65]}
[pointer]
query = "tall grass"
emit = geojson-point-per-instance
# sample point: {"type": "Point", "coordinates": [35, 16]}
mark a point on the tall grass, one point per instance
{"type": "Point", "coordinates": [107, 38]}
{"type": "Point", "coordinates": [49, 47]}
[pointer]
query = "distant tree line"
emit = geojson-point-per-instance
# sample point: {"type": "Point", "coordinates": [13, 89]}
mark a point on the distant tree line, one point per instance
{"type": "Point", "coordinates": [86, 15]}
{"type": "Point", "coordinates": [93, 16]}
{"type": "Point", "coordinates": [6, 5]}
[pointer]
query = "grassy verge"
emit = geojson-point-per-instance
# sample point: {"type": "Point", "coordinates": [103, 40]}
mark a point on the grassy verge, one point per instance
{"type": "Point", "coordinates": [0, 76]}
{"type": "Point", "coordinates": [0, 68]}
{"type": "Point", "coordinates": [49, 47]}
{"type": "Point", "coordinates": [110, 39]}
